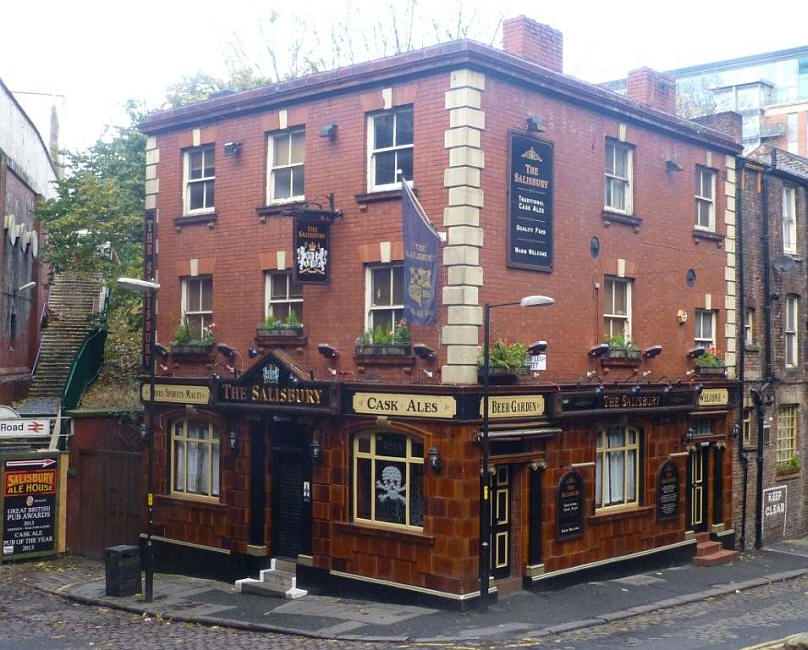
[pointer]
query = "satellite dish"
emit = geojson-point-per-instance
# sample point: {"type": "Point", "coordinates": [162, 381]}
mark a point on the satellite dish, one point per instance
{"type": "Point", "coordinates": [784, 263]}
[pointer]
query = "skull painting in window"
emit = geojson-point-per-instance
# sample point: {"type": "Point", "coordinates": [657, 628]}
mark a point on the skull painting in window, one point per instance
{"type": "Point", "coordinates": [391, 495]}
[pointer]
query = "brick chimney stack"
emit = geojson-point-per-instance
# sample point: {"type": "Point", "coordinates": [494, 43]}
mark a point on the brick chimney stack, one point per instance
{"type": "Point", "coordinates": [534, 42]}
{"type": "Point", "coordinates": [653, 89]}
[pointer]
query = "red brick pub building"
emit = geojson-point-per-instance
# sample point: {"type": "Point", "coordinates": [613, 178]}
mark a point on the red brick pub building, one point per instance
{"type": "Point", "coordinates": [285, 431]}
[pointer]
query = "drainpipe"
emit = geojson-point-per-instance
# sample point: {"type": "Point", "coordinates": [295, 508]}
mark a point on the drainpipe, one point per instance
{"type": "Point", "coordinates": [767, 335]}
{"type": "Point", "coordinates": [744, 461]}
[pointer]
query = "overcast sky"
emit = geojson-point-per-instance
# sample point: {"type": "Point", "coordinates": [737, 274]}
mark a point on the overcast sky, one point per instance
{"type": "Point", "coordinates": [97, 54]}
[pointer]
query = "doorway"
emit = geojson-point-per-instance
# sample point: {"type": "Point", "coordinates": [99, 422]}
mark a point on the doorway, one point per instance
{"type": "Point", "coordinates": [697, 488]}
{"type": "Point", "coordinates": [291, 490]}
{"type": "Point", "coordinates": [501, 522]}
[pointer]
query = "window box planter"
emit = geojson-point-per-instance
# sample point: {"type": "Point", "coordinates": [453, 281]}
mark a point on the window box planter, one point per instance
{"type": "Point", "coordinates": [191, 349]}
{"type": "Point", "coordinates": [618, 356]}
{"type": "Point", "coordinates": [714, 371]}
{"type": "Point", "coordinates": [278, 332]}
{"type": "Point", "coordinates": [502, 376]}
{"type": "Point", "coordinates": [787, 471]}
{"type": "Point", "coordinates": [383, 350]}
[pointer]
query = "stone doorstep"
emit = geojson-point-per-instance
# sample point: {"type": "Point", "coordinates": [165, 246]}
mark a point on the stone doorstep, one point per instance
{"type": "Point", "coordinates": [707, 548]}
{"type": "Point", "coordinates": [280, 581]}
{"type": "Point", "coordinates": [714, 559]}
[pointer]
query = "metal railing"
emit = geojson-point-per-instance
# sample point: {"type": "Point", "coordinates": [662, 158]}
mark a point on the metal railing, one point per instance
{"type": "Point", "coordinates": [86, 366]}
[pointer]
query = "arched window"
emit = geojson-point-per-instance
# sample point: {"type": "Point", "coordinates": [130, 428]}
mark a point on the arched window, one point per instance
{"type": "Point", "coordinates": [388, 479]}
{"type": "Point", "coordinates": [617, 467]}
{"type": "Point", "coordinates": [195, 458]}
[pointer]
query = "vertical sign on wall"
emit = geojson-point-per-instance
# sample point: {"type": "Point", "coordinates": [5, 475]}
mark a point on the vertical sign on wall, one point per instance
{"type": "Point", "coordinates": [530, 215]}
{"type": "Point", "coordinates": [312, 250]}
{"type": "Point", "coordinates": [149, 267]}
{"type": "Point", "coordinates": [570, 507]}
{"type": "Point", "coordinates": [668, 491]}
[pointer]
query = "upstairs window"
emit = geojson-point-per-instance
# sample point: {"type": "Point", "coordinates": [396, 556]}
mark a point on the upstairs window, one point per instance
{"type": "Point", "coordinates": [789, 221]}
{"type": "Point", "coordinates": [705, 198]}
{"type": "Point", "coordinates": [390, 147]}
{"type": "Point", "coordinates": [617, 308]}
{"type": "Point", "coordinates": [199, 176]}
{"type": "Point", "coordinates": [792, 133]}
{"type": "Point", "coordinates": [704, 325]}
{"type": "Point", "coordinates": [618, 177]}
{"type": "Point", "coordinates": [286, 152]}
{"type": "Point", "coordinates": [284, 296]}
{"type": "Point", "coordinates": [197, 307]}
{"type": "Point", "coordinates": [385, 296]}
{"type": "Point", "coordinates": [790, 332]}
{"type": "Point", "coordinates": [748, 327]}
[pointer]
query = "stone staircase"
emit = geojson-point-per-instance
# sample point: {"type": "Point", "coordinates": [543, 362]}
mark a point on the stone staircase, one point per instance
{"type": "Point", "coordinates": [709, 553]}
{"type": "Point", "coordinates": [72, 303]}
{"type": "Point", "coordinates": [280, 581]}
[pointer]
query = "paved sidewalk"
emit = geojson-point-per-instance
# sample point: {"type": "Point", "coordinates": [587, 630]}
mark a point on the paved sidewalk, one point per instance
{"type": "Point", "coordinates": [519, 615]}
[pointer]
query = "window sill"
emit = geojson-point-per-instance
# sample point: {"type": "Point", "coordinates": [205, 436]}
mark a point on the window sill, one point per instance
{"type": "Point", "coordinates": [208, 218]}
{"type": "Point", "coordinates": [708, 235]}
{"type": "Point", "coordinates": [186, 499]}
{"type": "Point", "coordinates": [385, 533]}
{"type": "Point", "coordinates": [378, 196]}
{"type": "Point", "coordinates": [787, 474]}
{"type": "Point", "coordinates": [752, 348]}
{"type": "Point", "coordinates": [610, 217]}
{"type": "Point", "coordinates": [619, 513]}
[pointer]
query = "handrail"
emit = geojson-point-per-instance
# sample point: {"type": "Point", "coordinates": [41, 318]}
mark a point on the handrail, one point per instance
{"type": "Point", "coordinates": [41, 317]}
{"type": "Point", "coordinates": [85, 368]}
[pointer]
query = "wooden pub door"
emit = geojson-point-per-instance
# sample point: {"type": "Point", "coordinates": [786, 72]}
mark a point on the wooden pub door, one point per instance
{"type": "Point", "coordinates": [291, 490]}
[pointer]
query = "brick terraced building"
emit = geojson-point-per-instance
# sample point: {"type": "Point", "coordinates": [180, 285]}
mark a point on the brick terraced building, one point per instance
{"type": "Point", "coordinates": [357, 456]}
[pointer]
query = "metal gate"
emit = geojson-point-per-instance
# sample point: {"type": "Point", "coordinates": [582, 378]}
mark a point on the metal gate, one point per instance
{"type": "Point", "coordinates": [111, 501]}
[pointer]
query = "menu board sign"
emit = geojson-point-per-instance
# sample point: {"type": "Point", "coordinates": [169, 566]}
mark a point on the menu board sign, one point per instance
{"type": "Point", "coordinates": [570, 512]}
{"type": "Point", "coordinates": [668, 491]}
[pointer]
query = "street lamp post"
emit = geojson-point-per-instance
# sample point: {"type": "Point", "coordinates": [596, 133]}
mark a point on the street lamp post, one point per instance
{"type": "Point", "coordinates": [485, 502]}
{"type": "Point", "coordinates": [149, 290]}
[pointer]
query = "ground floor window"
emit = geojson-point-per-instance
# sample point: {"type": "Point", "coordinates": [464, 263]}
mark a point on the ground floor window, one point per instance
{"type": "Point", "coordinates": [195, 458]}
{"type": "Point", "coordinates": [787, 437]}
{"type": "Point", "coordinates": [617, 466]}
{"type": "Point", "coordinates": [388, 479]}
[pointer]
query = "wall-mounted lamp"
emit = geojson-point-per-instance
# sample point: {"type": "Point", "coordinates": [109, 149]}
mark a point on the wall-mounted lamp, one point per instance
{"type": "Point", "coordinates": [252, 352]}
{"type": "Point", "coordinates": [434, 459]}
{"type": "Point", "coordinates": [233, 441]}
{"type": "Point", "coordinates": [231, 355]}
{"type": "Point", "coordinates": [635, 389]}
{"type": "Point", "coordinates": [315, 451]}
{"type": "Point", "coordinates": [736, 431]}
{"type": "Point", "coordinates": [423, 351]}
{"type": "Point", "coordinates": [690, 433]}
{"type": "Point", "coordinates": [327, 350]}
{"type": "Point", "coordinates": [215, 376]}
{"type": "Point", "coordinates": [328, 131]}
{"type": "Point", "coordinates": [539, 347]}
{"type": "Point", "coordinates": [672, 166]}
{"type": "Point", "coordinates": [695, 353]}
{"type": "Point", "coordinates": [599, 350]}
{"type": "Point", "coordinates": [161, 350]}
{"type": "Point", "coordinates": [533, 124]}
{"type": "Point", "coordinates": [697, 388]}
{"type": "Point", "coordinates": [232, 148]}
{"type": "Point", "coordinates": [653, 351]}
{"type": "Point", "coordinates": [599, 389]}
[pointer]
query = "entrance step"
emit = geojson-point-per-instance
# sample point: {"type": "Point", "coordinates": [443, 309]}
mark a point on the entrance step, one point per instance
{"type": "Point", "coordinates": [710, 553]}
{"type": "Point", "coordinates": [280, 581]}
{"type": "Point", "coordinates": [508, 585]}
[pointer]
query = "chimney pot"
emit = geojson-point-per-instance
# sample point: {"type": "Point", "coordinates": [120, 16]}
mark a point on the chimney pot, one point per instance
{"type": "Point", "coordinates": [534, 42]}
{"type": "Point", "coordinates": [653, 89]}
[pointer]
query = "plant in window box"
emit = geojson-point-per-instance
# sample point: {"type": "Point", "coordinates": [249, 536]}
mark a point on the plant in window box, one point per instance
{"type": "Point", "coordinates": [790, 466]}
{"type": "Point", "coordinates": [382, 342]}
{"type": "Point", "coordinates": [185, 343]}
{"type": "Point", "coordinates": [276, 328]}
{"type": "Point", "coordinates": [505, 362]}
{"type": "Point", "coordinates": [710, 363]}
{"type": "Point", "coordinates": [622, 348]}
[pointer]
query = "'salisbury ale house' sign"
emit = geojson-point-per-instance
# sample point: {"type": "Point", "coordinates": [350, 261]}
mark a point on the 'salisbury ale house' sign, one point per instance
{"type": "Point", "coordinates": [530, 214]}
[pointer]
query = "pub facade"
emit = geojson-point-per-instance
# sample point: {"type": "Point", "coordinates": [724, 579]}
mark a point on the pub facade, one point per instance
{"type": "Point", "coordinates": [304, 417]}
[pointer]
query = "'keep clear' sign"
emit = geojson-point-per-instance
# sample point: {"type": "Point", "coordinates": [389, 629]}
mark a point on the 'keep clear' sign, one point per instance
{"type": "Point", "coordinates": [774, 507]}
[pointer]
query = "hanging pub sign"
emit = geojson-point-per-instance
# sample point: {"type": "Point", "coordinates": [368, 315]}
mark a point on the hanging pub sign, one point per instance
{"type": "Point", "coordinates": [530, 215]}
{"type": "Point", "coordinates": [668, 491]}
{"type": "Point", "coordinates": [570, 507]}
{"type": "Point", "coordinates": [312, 249]}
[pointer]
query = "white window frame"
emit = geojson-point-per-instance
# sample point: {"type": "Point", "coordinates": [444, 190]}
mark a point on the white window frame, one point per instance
{"type": "Point", "coordinates": [188, 182]}
{"type": "Point", "coordinates": [612, 179]}
{"type": "Point", "coordinates": [295, 167]}
{"type": "Point", "coordinates": [205, 315]}
{"type": "Point", "coordinates": [789, 220]}
{"type": "Point", "coordinates": [603, 458]}
{"type": "Point", "coordinates": [787, 432]}
{"type": "Point", "coordinates": [791, 351]}
{"type": "Point", "coordinates": [181, 440]}
{"type": "Point", "coordinates": [410, 460]}
{"type": "Point", "coordinates": [610, 316]}
{"type": "Point", "coordinates": [370, 306]}
{"type": "Point", "coordinates": [749, 327]}
{"type": "Point", "coordinates": [372, 151]}
{"type": "Point", "coordinates": [747, 427]}
{"type": "Point", "coordinates": [792, 133]}
{"type": "Point", "coordinates": [700, 338]}
{"type": "Point", "coordinates": [706, 199]}
{"type": "Point", "coordinates": [291, 301]}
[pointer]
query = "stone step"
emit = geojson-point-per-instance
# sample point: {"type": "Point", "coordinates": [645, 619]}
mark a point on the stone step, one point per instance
{"type": "Point", "coordinates": [707, 548]}
{"type": "Point", "coordinates": [284, 564]}
{"type": "Point", "coordinates": [278, 579]}
{"type": "Point", "coordinates": [702, 537]}
{"type": "Point", "coordinates": [252, 586]}
{"type": "Point", "coordinates": [719, 557]}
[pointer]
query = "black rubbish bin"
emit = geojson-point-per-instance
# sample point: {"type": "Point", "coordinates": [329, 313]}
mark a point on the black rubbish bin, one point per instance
{"type": "Point", "coordinates": [122, 565]}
